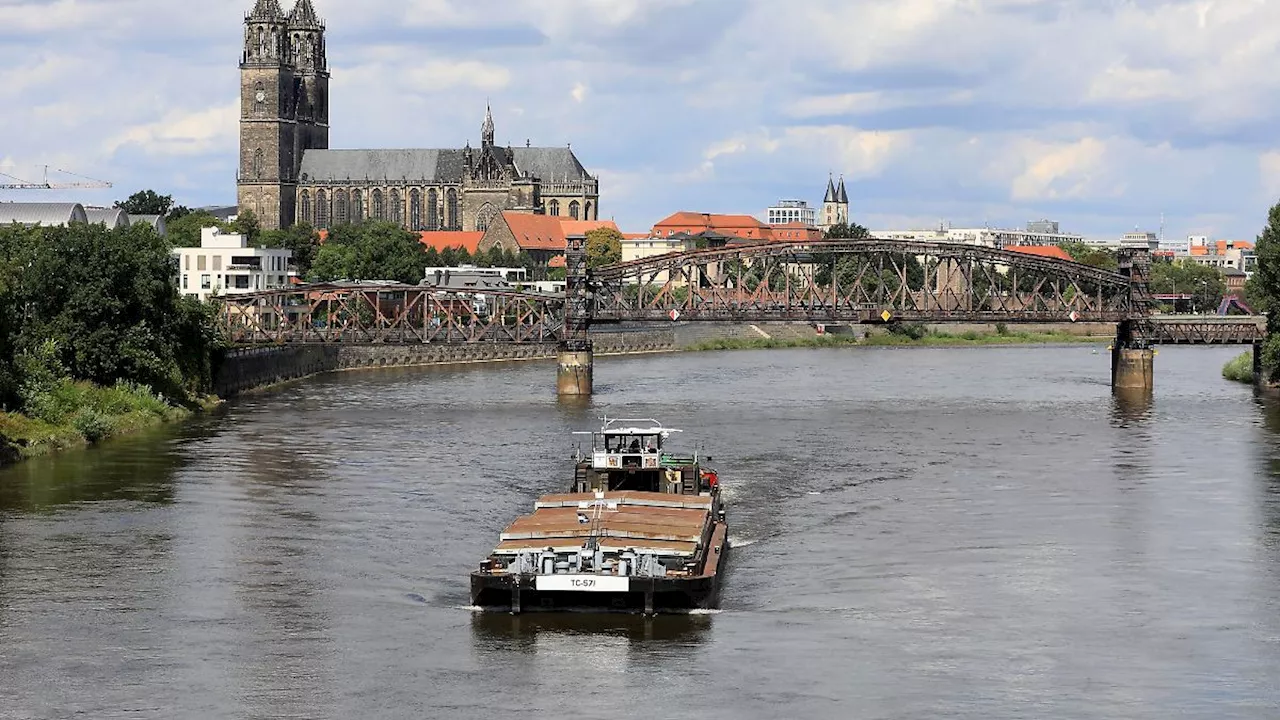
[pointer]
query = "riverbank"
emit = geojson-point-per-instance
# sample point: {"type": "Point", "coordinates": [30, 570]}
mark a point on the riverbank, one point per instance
{"type": "Point", "coordinates": [896, 339]}
{"type": "Point", "coordinates": [78, 414]}
{"type": "Point", "coordinates": [1240, 369]}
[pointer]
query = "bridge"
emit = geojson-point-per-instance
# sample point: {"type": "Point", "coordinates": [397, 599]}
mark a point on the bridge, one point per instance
{"type": "Point", "coordinates": [869, 281]}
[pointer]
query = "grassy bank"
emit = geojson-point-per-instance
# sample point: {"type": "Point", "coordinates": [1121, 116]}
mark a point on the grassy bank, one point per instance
{"type": "Point", "coordinates": [894, 339]}
{"type": "Point", "coordinates": [1240, 369]}
{"type": "Point", "coordinates": [76, 414]}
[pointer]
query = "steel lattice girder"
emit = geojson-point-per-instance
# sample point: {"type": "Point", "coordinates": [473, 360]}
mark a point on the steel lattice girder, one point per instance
{"type": "Point", "coordinates": [392, 314]}
{"type": "Point", "coordinates": [913, 281]}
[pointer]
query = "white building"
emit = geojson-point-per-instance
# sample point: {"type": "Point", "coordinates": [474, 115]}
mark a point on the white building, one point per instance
{"type": "Point", "coordinates": [1140, 240]}
{"type": "Point", "coordinates": [224, 264]}
{"type": "Point", "coordinates": [463, 273]}
{"type": "Point", "coordinates": [990, 237]}
{"type": "Point", "coordinates": [791, 211]}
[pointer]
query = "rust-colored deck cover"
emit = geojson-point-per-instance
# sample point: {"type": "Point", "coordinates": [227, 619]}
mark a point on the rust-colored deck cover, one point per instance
{"type": "Point", "coordinates": [655, 522]}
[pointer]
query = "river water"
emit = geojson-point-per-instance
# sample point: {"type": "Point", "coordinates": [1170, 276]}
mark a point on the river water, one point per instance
{"type": "Point", "coordinates": [972, 533]}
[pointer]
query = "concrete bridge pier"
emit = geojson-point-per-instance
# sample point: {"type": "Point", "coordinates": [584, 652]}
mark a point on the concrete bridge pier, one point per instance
{"type": "Point", "coordinates": [574, 368]}
{"type": "Point", "coordinates": [1132, 361]}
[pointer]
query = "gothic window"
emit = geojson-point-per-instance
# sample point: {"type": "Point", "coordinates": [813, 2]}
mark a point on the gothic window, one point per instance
{"type": "Point", "coordinates": [485, 217]}
{"type": "Point", "coordinates": [397, 208]}
{"type": "Point", "coordinates": [340, 207]}
{"type": "Point", "coordinates": [322, 210]}
{"type": "Point", "coordinates": [256, 170]}
{"type": "Point", "coordinates": [415, 210]}
{"type": "Point", "coordinates": [304, 215]}
{"type": "Point", "coordinates": [377, 211]}
{"type": "Point", "coordinates": [573, 209]}
{"type": "Point", "coordinates": [259, 98]}
{"type": "Point", "coordinates": [357, 206]}
{"type": "Point", "coordinates": [586, 211]}
{"type": "Point", "coordinates": [451, 211]}
{"type": "Point", "coordinates": [553, 208]}
{"type": "Point", "coordinates": [433, 210]}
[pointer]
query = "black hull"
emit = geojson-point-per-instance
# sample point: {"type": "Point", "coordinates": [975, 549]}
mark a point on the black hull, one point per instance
{"type": "Point", "coordinates": [518, 594]}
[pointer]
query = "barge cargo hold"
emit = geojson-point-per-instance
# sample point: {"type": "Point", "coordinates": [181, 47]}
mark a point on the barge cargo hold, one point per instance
{"type": "Point", "coordinates": [642, 530]}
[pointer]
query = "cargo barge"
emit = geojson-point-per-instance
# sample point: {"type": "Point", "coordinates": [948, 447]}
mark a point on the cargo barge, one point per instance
{"type": "Point", "coordinates": [642, 530]}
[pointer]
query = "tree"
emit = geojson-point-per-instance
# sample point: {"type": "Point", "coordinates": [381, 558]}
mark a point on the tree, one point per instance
{"type": "Point", "coordinates": [185, 231]}
{"type": "Point", "coordinates": [371, 251]}
{"type": "Point", "coordinates": [1089, 255]}
{"type": "Point", "coordinates": [847, 231]}
{"type": "Point", "coordinates": [146, 202]}
{"type": "Point", "coordinates": [604, 247]}
{"type": "Point", "coordinates": [1205, 284]}
{"type": "Point", "coordinates": [301, 239]}
{"type": "Point", "coordinates": [246, 223]}
{"type": "Point", "coordinates": [1264, 288]}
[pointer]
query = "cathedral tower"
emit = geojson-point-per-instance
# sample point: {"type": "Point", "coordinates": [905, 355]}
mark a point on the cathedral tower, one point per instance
{"type": "Point", "coordinates": [284, 106]}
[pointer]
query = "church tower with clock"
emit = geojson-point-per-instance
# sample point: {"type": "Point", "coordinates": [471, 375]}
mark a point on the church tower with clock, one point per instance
{"type": "Point", "coordinates": [284, 107]}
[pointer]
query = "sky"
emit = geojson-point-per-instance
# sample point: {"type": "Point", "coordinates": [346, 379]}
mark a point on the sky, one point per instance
{"type": "Point", "coordinates": [1101, 114]}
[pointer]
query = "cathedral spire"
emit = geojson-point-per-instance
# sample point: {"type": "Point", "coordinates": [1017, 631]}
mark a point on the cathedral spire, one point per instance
{"type": "Point", "coordinates": [266, 11]}
{"type": "Point", "coordinates": [841, 195]}
{"type": "Point", "coordinates": [831, 191]}
{"type": "Point", "coordinates": [486, 131]}
{"type": "Point", "coordinates": [303, 16]}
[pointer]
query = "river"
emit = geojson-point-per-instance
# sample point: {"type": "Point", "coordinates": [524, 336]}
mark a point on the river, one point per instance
{"type": "Point", "coordinates": [966, 533]}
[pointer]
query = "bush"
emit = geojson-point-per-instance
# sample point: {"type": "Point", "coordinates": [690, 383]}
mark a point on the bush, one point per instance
{"type": "Point", "coordinates": [93, 425]}
{"type": "Point", "coordinates": [915, 331]}
{"type": "Point", "coordinates": [1002, 329]}
{"type": "Point", "coordinates": [1240, 369]}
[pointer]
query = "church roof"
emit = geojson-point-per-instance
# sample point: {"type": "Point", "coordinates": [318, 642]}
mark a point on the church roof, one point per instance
{"type": "Point", "coordinates": [432, 166]}
{"type": "Point", "coordinates": [831, 192]}
{"type": "Point", "coordinates": [841, 195]}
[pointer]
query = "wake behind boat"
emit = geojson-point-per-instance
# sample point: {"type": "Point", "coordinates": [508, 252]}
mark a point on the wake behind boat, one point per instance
{"type": "Point", "coordinates": [642, 529]}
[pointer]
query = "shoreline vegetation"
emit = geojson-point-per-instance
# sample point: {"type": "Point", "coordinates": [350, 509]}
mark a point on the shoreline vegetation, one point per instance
{"type": "Point", "coordinates": [910, 337]}
{"type": "Point", "coordinates": [1240, 369]}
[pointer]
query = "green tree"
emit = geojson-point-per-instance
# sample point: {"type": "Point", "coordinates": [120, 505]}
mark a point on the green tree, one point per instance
{"type": "Point", "coordinates": [1206, 285]}
{"type": "Point", "coordinates": [301, 239]}
{"type": "Point", "coordinates": [604, 247]}
{"type": "Point", "coordinates": [1090, 255]}
{"type": "Point", "coordinates": [185, 231]}
{"type": "Point", "coordinates": [102, 306]}
{"type": "Point", "coordinates": [1264, 289]}
{"type": "Point", "coordinates": [246, 223]}
{"type": "Point", "coordinates": [371, 251]}
{"type": "Point", "coordinates": [847, 231]}
{"type": "Point", "coordinates": [146, 202]}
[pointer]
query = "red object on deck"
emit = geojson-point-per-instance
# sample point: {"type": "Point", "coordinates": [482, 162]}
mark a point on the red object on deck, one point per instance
{"type": "Point", "coordinates": [713, 479]}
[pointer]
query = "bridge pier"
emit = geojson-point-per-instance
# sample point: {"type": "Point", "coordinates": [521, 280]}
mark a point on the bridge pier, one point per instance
{"type": "Point", "coordinates": [1132, 360]}
{"type": "Point", "coordinates": [575, 368]}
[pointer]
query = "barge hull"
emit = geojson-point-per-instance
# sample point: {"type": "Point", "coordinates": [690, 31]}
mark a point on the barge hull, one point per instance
{"type": "Point", "coordinates": [650, 596]}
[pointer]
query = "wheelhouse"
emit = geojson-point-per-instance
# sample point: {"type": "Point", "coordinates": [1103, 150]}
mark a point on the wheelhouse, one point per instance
{"type": "Point", "coordinates": [632, 454]}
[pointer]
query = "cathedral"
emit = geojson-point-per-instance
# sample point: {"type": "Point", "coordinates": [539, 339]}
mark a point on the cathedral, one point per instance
{"type": "Point", "coordinates": [289, 175]}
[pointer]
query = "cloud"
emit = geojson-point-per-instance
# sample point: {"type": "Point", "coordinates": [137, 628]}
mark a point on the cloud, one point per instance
{"type": "Point", "coordinates": [1097, 114]}
{"type": "Point", "coordinates": [183, 134]}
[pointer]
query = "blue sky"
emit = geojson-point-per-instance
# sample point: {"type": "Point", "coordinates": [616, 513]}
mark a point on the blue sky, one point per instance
{"type": "Point", "coordinates": [1101, 114]}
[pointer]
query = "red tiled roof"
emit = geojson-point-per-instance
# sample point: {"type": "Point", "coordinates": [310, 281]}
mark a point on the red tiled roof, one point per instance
{"type": "Point", "coordinates": [452, 239]}
{"type": "Point", "coordinates": [636, 236]}
{"type": "Point", "coordinates": [582, 227]}
{"type": "Point", "coordinates": [1049, 251]}
{"type": "Point", "coordinates": [557, 262]}
{"type": "Point", "coordinates": [536, 232]}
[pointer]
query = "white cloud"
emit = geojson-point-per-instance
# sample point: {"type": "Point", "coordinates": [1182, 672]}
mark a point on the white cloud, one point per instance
{"type": "Point", "coordinates": [184, 133]}
{"type": "Point", "coordinates": [1057, 171]}
{"type": "Point", "coordinates": [438, 75]}
{"type": "Point", "coordinates": [579, 92]}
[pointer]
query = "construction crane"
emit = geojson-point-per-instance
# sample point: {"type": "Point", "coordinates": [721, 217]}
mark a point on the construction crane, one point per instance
{"type": "Point", "coordinates": [20, 184]}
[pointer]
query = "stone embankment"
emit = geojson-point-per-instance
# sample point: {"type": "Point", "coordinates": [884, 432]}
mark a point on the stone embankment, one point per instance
{"type": "Point", "coordinates": [248, 369]}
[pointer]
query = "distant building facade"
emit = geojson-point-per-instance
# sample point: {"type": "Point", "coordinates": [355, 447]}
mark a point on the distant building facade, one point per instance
{"type": "Point", "coordinates": [787, 212]}
{"type": "Point", "coordinates": [990, 237]}
{"type": "Point", "coordinates": [61, 214]}
{"type": "Point", "coordinates": [288, 173]}
{"type": "Point", "coordinates": [225, 264]}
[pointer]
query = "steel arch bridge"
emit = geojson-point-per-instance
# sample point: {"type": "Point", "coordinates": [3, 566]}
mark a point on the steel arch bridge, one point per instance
{"type": "Point", "coordinates": [833, 281]}
{"type": "Point", "coordinates": [865, 281]}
